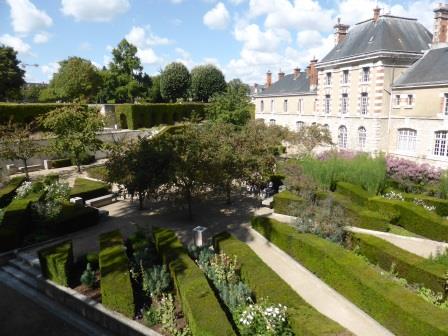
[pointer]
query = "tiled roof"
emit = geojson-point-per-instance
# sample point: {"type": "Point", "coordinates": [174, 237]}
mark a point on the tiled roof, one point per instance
{"type": "Point", "coordinates": [289, 85]}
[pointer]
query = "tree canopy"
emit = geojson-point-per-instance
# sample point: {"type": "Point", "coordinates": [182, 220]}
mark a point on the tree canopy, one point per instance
{"type": "Point", "coordinates": [310, 137]}
{"type": "Point", "coordinates": [206, 80]}
{"type": "Point", "coordinates": [11, 75]}
{"type": "Point", "coordinates": [175, 82]}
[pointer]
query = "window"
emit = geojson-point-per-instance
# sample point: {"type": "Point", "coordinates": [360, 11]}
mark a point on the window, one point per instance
{"type": "Point", "coordinates": [299, 125]}
{"type": "Point", "coordinates": [328, 78]}
{"type": "Point", "coordinates": [272, 122]}
{"type": "Point", "coordinates": [327, 104]}
{"type": "Point", "coordinates": [262, 106]}
{"type": "Point", "coordinates": [300, 106]}
{"type": "Point", "coordinates": [410, 100]}
{"type": "Point", "coordinates": [342, 137]}
{"type": "Point", "coordinates": [362, 137]}
{"type": "Point", "coordinates": [285, 105]}
{"type": "Point", "coordinates": [440, 145]}
{"type": "Point", "coordinates": [445, 108]}
{"type": "Point", "coordinates": [364, 102]}
{"type": "Point", "coordinates": [365, 77]}
{"type": "Point", "coordinates": [397, 100]}
{"type": "Point", "coordinates": [272, 106]}
{"type": "Point", "coordinates": [344, 103]}
{"type": "Point", "coordinates": [345, 77]}
{"type": "Point", "coordinates": [407, 139]}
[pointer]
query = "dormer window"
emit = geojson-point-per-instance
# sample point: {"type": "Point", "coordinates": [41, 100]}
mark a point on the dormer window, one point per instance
{"type": "Point", "coordinates": [365, 74]}
{"type": "Point", "coordinates": [328, 78]}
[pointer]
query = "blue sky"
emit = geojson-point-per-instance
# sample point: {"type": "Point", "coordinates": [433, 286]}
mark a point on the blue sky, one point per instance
{"type": "Point", "coordinates": [242, 37]}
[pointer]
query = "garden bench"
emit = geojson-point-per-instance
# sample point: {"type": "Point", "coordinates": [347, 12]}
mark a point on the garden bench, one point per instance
{"type": "Point", "coordinates": [101, 201]}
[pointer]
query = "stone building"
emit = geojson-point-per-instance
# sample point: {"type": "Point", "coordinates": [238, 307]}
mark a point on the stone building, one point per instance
{"type": "Point", "coordinates": [382, 88]}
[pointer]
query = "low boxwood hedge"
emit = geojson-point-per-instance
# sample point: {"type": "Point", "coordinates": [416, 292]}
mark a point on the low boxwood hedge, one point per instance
{"type": "Point", "coordinates": [8, 191]}
{"type": "Point", "coordinates": [74, 218]}
{"type": "Point", "coordinates": [413, 218]}
{"type": "Point", "coordinates": [356, 193]}
{"type": "Point", "coordinates": [116, 286]}
{"type": "Point", "coordinates": [60, 163]}
{"type": "Point", "coordinates": [394, 306]}
{"type": "Point", "coordinates": [204, 314]}
{"type": "Point", "coordinates": [88, 189]}
{"type": "Point", "coordinates": [286, 203]}
{"type": "Point", "coordinates": [56, 262]}
{"type": "Point", "coordinates": [441, 205]}
{"type": "Point", "coordinates": [265, 283]}
{"type": "Point", "coordinates": [413, 268]}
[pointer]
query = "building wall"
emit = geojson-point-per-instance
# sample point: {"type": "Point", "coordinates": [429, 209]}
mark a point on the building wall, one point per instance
{"type": "Point", "coordinates": [427, 102]}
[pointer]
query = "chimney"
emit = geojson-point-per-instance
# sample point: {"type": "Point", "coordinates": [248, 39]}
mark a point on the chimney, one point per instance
{"type": "Point", "coordinates": [440, 38]}
{"type": "Point", "coordinates": [281, 75]}
{"type": "Point", "coordinates": [312, 73]}
{"type": "Point", "coordinates": [268, 78]}
{"type": "Point", "coordinates": [376, 14]}
{"type": "Point", "coordinates": [340, 32]}
{"type": "Point", "coordinates": [296, 72]}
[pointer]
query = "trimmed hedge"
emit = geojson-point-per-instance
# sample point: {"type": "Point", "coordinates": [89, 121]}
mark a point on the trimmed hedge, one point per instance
{"type": "Point", "coordinates": [204, 314]}
{"type": "Point", "coordinates": [56, 262]}
{"type": "Point", "coordinates": [88, 189]}
{"type": "Point", "coordinates": [74, 218]}
{"type": "Point", "coordinates": [356, 193]}
{"type": "Point", "coordinates": [8, 191]}
{"type": "Point", "coordinates": [116, 286]}
{"type": "Point", "coordinates": [24, 113]}
{"type": "Point", "coordinates": [413, 217]}
{"type": "Point", "coordinates": [60, 163]}
{"type": "Point", "coordinates": [361, 216]}
{"type": "Point", "coordinates": [441, 205]}
{"type": "Point", "coordinates": [394, 306]}
{"type": "Point", "coordinates": [286, 202]}
{"type": "Point", "coordinates": [265, 283]}
{"type": "Point", "coordinates": [135, 116]}
{"type": "Point", "coordinates": [413, 268]}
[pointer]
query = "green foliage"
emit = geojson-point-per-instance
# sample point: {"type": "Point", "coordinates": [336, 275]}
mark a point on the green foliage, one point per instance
{"type": "Point", "coordinates": [441, 205]}
{"type": "Point", "coordinates": [206, 80]}
{"type": "Point", "coordinates": [50, 205]}
{"type": "Point", "coordinates": [24, 113]}
{"type": "Point", "coordinates": [175, 82]}
{"type": "Point", "coordinates": [99, 172]}
{"type": "Point", "coordinates": [397, 308]}
{"type": "Point", "coordinates": [116, 287]}
{"type": "Point", "coordinates": [73, 218]}
{"type": "Point", "coordinates": [286, 203]}
{"type": "Point", "coordinates": [88, 189]}
{"type": "Point", "coordinates": [437, 299]}
{"type": "Point", "coordinates": [443, 186]}
{"type": "Point", "coordinates": [311, 136]}
{"type": "Point", "coordinates": [11, 75]}
{"type": "Point", "coordinates": [156, 280]}
{"type": "Point", "coordinates": [56, 262]}
{"type": "Point", "coordinates": [264, 282]}
{"type": "Point", "coordinates": [77, 78]}
{"type": "Point", "coordinates": [204, 315]}
{"type": "Point", "coordinates": [7, 192]}
{"type": "Point", "coordinates": [354, 192]}
{"type": "Point", "coordinates": [88, 277]}
{"type": "Point", "coordinates": [59, 163]}
{"type": "Point", "coordinates": [31, 92]}
{"type": "Point", "coordinates": [148, 115]}
{"type": "Point", "coordinates": [92, 259]}
{"type": "Point", "coordinates": [413, 268]}
{"type": "Point", "coordinates": [154, 95]}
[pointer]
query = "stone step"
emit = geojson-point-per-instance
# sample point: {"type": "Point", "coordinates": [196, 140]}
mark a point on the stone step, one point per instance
{"type": "Point", "coordinates": [21, 276]}
{"type": "Point", "coordinates": [29, 258]}
{"type": "Point", "coordinates": [26, 268]}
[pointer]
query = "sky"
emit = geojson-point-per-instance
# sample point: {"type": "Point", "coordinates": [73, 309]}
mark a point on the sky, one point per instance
{"type": "Point", "coordinates": [244, 38]}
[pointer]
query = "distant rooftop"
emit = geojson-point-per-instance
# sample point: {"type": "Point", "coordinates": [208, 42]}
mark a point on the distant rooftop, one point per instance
{"type": "Point", "coordinates": [290, 84]}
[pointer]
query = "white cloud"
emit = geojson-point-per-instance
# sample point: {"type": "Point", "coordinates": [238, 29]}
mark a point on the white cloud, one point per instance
{"type": "Point", "coordinates": [217, 18]}
{"type": "Point", "coordinates": [94, 10]}
{"type": "Point", "coordinates": [86, 46]}
{"type": "Point", "coordinates": [309, 38]}
{"type": "Point", "coordinates": [41, 38]}
{"type": "Point", "coordinates": [49, 69]}
{"type": "Point", "coordinates": [148, 56]}
{"type": "Point", "coordinates": [185, 58]}
{"type": "Point", "coordinates": [256, 39]}
{"type": "Point", "coordinates": [26, 18]}
{"type": "Point", "coordinates": [15, 42]}
{"type": "Point", "coordinates": [236, 2]}
{"type": "Point", "coordinates": [143, 36]}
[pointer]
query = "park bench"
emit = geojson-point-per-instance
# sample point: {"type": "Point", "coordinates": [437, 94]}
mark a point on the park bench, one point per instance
{"type": "Point", "coordinates": [101, 201]}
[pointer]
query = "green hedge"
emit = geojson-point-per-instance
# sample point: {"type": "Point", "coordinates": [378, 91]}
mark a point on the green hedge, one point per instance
{"type": "Point", "coordinates": [56, 262]}
{"type": "Point", "coordinates": [60, 163]}
{"type": "Point", "coordinates": [361, 216]}
{"type": "Point", "coordinates": [265, 283]}
{"type": "Point", "coordinates": [116, 286]}
{"type": "Point", "coordinates": [441, 205]}
{"type": "Point", "coordinates": [413, 268]}
{"type": "Point", "coordinates": [286, 203]}
{"type": "Point", "coordinates": [356, 193]}
{"type": "Point", "coordinates": [88, 189]}
{"type": "Point", "coordinates": [8, 191]}
{"type": "Point", "coordinates": [24, 113]}
{"type": "Point", "coordinates": [394, 306]}
{"type": "Point", "coordinates": [413, 217]}
{"type": "Point", "coordinates": [204, 314]}
{"type": "Point", "coordinates": [74, 218]}
{"type": "Point", "coordinates": [135, 116]}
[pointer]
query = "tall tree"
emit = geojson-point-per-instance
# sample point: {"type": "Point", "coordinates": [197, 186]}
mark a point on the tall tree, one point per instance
{"type": "Point", "coordinates": [237, 85]}
{"type": "Point", "coordinates": [154, 93]}
{"type": "Point", "coordinates": [175, 82]}
{"type": "Point", "coordinates": [74, 128]}
{"type": "Point", "coordinates": [11, 75]}
{"type": "Point", "coordinates": [31, 93]}
{"type": "Point", "coordinates": [206, 80]}
{"type": "Point", "coordinates": [77, 78]}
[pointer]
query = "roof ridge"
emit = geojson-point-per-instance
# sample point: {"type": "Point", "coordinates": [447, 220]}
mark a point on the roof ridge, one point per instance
{"type": "Point", "coordinates": [388, 16]}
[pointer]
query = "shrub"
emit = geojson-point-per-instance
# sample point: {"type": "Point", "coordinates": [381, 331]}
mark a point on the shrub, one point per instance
{"type": "Point", "coordinates": [88, 277]}
{"type": "Point", "coordinates": [441, 205]}
{"type": "Point", "coordinates": [395, 307]}
{"type": "Point", "coordinates": [116, 287]}
{"type": "Point", "coordinates": [354, 192]}
{"type": "Point", "coordinates": [73, 218]}
{"type": "Point", "coordinates": [135, 116]}
{"type": "Point", "coordinates": [92, 259]}
{"type": "Point", "coordinates": [88, 189]}
{"type": "Point", "coordinates": [264, 282]}
{"type": "Point", "coordinates": [286, 202]}
{"type": "Point", "coordinates": [413, 268]}
{"type": "Point", "coordinates": [156, 280]}
{"type": "Point", "coordinates": [200, 306]}
{"type": "Point", "coordinates": [8, 191]}
{"type": "Point", "coordinates": [24, 113]}
{"type": "Point", "coordinates": [56, 262]}
{"type": "Point", "coordinates": [60, 163]}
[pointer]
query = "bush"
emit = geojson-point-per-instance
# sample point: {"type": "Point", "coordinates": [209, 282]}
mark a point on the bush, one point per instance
{"type": "Point", "coordinates": [88, 189]}
{"type": "Point", "coordinates": [354, 192]}
{"type": "Point", "coordinates": [116, 287]}
{"type": "Point", "coordinates": [88, 277]}
{"type": "Point", "coordinates": [135, 116]}
{"type": "Point", "coordinates": [412, 217]}
{"type": "Point", "coordinates": [24, 113]}
{"type": "Point", "coordinates": [59, 163]}
{"type": "Point", "coordinates": [99, 172]}
{"type": "Point", "coordinates": [286, 203]}
{"type": "Point", "coordinates": [264, 282]}
{"type": "Point", "coordinates": [92, 259]}
{"type": "Point", "coordinates": [204, 315]}
{"type": "Point", "coordinates": [441, 205]}
{"type": "Point", "coordinates": [413, 268]}
{"type": "Point", "coordinates": [8, 191]}
{"type": "Point", "coordinates": [56, 262]}
{"type": "Point", "coordinates": [392, 305]}
{"type": "Point", "coordinates": [74, 218]}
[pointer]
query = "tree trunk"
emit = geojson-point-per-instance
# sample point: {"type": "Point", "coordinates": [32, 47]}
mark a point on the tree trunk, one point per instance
{"type": "Point", "coordinates": [25, 165]}
{"type": "Point", "coordinates": [228, 192]}
{"type": "Point", "coordinates": [140, 201]}
{"type": "Point", "coordinates": [190, 208]}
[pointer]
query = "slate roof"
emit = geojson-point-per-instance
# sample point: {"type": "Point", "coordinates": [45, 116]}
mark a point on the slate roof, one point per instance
{"type": "Point", "coordinates": [389, 33]}
{"type": "Point", "coordinates": [432, 68]}
{"type": "Point", "coordinates": [289, 85]}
